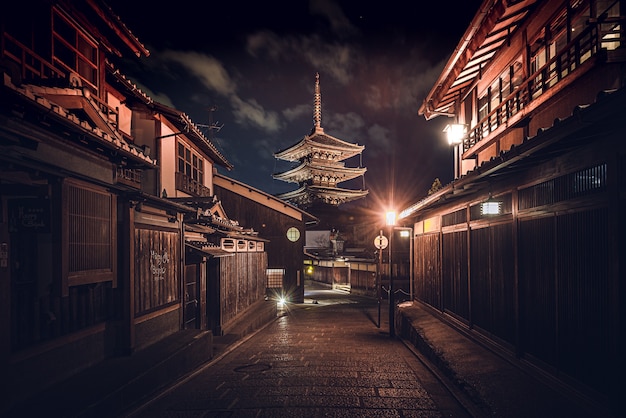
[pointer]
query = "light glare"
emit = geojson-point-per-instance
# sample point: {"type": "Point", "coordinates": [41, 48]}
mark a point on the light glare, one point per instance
{"type": "Point", "coordinates": [391, 218]}
{"type": "Point", "coordinates": [455, 133]}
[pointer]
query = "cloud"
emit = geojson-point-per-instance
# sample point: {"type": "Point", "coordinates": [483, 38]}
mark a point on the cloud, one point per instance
{"type": "Point", "coordinates": [379, 139]}
{"type": "Point", "coordinates": [157, 97]}
{"type": "Point", "coordinates": [339, 23]}
{"type": "Point", "coordinates": [344, 123]}
{"type": "Point", "coordinates": [334, 59]}
{"type": "Point", "coordinates": [206, 68]}
{"type": "Point", "coordinates": [250, 112]}
{"type": "Point", "coordinates": [214, 76]}
{"type": "Point", "coordinates": [298, 111]}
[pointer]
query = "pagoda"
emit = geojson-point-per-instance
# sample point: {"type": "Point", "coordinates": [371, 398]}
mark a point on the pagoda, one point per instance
{"type": "Point", "coordinates": [320, 165]}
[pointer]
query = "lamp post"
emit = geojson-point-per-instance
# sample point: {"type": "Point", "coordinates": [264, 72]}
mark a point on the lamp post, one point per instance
{"type": "Point", "coordinates": [391, 221]}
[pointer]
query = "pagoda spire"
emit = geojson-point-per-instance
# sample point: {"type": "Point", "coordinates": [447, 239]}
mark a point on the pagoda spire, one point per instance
{"type": "Point", "coordinates": [317, 111]}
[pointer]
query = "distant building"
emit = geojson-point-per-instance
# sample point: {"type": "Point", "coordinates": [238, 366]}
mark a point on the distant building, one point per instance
{"type": "Point", "coordinates": [282, 224]}
{"type": "Point", "coordinates": [321, 167]}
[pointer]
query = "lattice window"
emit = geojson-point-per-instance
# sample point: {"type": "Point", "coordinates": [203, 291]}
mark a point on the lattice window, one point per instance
{"type": "Point", "coordinates": [581, 183]}
{"type": "Point", "coordinates": [275, 278]}
{"type": "Point", "coordinates": [90, 234]}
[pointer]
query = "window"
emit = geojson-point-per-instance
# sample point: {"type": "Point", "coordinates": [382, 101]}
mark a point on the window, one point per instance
{"type": "Point", "coordinates": [74, 51]}
{"type": "Point", "coordinates": [90, 234]}
{"type": "Point", "coordinates": [610, 28]}
{"type": "Point", "coordinates": [190, 163]}
{"type": "Point", "coordinates": [293, 234]}
{"type": "Point", "coordinates": [275, 278]}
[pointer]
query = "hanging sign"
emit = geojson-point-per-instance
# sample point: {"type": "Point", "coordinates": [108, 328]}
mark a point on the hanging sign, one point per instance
{"type": "Point", "coordinates": [381, 242]}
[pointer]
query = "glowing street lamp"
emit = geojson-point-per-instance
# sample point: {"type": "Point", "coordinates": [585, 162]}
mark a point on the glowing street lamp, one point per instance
{"type": "Point", "coordinates": [455, 132]}
{"type": "Point", "coordinates": [491, 207]}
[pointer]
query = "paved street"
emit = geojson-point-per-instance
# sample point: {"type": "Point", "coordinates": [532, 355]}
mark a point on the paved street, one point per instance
{"type": "Point", "coordinates": [325, 357]}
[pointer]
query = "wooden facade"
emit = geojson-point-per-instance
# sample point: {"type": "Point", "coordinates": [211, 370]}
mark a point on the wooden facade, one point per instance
{"type": "Point", "coordinates": [540, 280]}
{"type": "Point", "coordinates": [235, 284]}
{"type": "Point", "coordinates": [273, 218]}
{"type": "Point", "coordinates": [97, 257]}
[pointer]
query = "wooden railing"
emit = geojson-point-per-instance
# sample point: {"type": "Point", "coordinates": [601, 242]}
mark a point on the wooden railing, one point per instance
{"type": "Point", "coordinates": [34, 67]}
{"type": "Point", "coordinates": [595, 38]}
{"type": "Point", "coordinates": [129, 177]}
{"type": "Point", "coordinates": [188, 185]}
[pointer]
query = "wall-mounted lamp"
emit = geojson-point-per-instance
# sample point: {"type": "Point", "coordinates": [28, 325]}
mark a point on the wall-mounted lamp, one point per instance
{"type": "Point", "coordinates": [491, 207]}
{"type": "Point", "coordinates": [455, 132]}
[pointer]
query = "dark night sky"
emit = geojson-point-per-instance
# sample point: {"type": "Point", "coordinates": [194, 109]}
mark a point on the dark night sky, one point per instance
{"type": "Point", "coordinates": [256, 61]}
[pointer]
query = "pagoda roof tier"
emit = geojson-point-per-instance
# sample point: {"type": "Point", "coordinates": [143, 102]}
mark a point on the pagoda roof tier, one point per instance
{"type": "Point", "coordinates": [306, 195]}
{"type": "Point", "coordinates": [320, 173]}
{"type": "Point", "coordinates": [320, 145]}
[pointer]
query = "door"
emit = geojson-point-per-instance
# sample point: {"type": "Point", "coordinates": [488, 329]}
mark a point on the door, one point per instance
{"type": "Point", "coordinates": [190, 294]}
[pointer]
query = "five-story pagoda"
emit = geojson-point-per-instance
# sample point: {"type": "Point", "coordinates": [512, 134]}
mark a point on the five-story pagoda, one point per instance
{"type": "Point", "coordinates": [321, 166]}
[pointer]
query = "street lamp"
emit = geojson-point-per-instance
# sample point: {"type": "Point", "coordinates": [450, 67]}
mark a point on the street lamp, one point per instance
{"type": "Point", "coordinates": [391, 221]}
{"type": "Point", "coordinates": [456, 133]}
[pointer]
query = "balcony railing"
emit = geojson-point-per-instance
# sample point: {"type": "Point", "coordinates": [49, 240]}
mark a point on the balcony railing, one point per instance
{"type": "Point", "coordinates": [33, 67]}
{"type": "Point", "coordinates": [129, 177]}
{"type": "Point", "coordinates": [598, 37]}
{"type": "Point", "coordinates": [193, 187]}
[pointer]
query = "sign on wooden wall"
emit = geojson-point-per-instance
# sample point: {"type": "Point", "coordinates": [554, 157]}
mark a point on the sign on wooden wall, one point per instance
{"type": "Point", "coordinates": [156, 276]}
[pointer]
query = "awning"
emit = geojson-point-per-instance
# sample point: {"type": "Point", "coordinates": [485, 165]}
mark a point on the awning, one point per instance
{"type": "Point", "coordinates": [209, 250]}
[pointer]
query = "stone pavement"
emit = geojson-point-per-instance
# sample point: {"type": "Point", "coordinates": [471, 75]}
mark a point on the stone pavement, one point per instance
{"type": "Point", "coordinates": [324, 357]}
{"type": "Point", "coordinates": [486, 383]}
{"type": "Point", "coordinates": [119, 383]}
{"type": "Point", "coordinates": [493, 383]}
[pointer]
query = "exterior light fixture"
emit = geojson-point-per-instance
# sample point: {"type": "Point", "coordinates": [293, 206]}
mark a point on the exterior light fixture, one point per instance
{"type": "Point", "coordinates": [491, 207]}
{"type": "Point", "coordinates": [455, 132]}
{"type": "Point", "coordinates": [390, 218]}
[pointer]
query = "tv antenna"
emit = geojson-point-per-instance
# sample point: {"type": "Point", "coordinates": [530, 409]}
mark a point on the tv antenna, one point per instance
{"type": "Point", "coordinates": [212, 126]}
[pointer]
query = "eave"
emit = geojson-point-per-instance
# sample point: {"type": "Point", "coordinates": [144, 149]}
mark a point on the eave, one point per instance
{"type": "Point", "coordinates": [308, 170]}
{"type": "Point", "coordinates": [491, 28]}
{"type": "Point", "coordinates": [187, 128]}
{"type": "Point", "coordinates": [309, 144]}
{"type": "Point", "coordinates": [101, 137]}
{"type": "Point", "coordinates": [586, 121]}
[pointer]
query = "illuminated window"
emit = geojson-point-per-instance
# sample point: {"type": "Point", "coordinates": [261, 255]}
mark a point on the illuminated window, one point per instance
{"type": "Point", "coordinates": [293, 234]}
{"type": "Point", "coordinates": [275, 278]}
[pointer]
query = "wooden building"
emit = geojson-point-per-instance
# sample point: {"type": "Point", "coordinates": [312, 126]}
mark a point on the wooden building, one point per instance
{"type": "Point", "coordinates": [320, 165]}
{"type": "Point", "coordinates": [111, 237]}
{"type": "Point", "coordinates": [525, 248]}
{"type": "Point", "coordinates": [281, 223]}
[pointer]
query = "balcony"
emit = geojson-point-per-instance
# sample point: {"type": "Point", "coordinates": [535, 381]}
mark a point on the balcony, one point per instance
{"type": "Point", "coordinates": [188, 185]}
{"type": "Point", "coordinates": [129, 177]}
{"type": "Point", "coordinates": [32, 68]}
{"type": "Point", "coordinates": [597, 40]}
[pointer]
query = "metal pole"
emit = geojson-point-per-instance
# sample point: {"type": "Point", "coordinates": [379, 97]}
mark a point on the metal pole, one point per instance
{"type": "Point", "coordinates": [411, 277]}
{"type": "Point", "coordinates": [392, 325]}
{"type": "Point", "coordinates": [380, 264]}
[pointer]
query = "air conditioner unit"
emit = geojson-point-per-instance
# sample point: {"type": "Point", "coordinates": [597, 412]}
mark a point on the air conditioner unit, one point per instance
{"type": "Point", "coordinates": [228, 244]}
